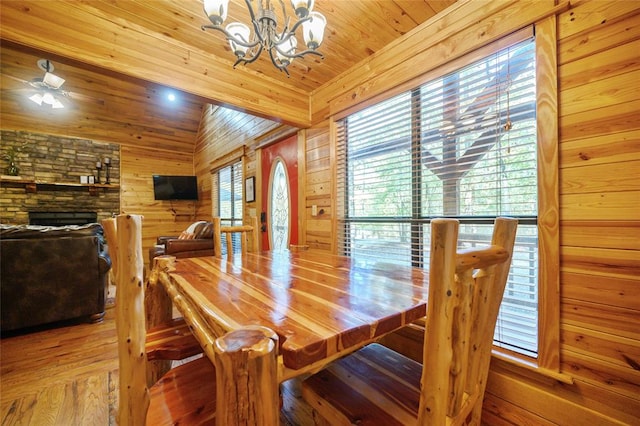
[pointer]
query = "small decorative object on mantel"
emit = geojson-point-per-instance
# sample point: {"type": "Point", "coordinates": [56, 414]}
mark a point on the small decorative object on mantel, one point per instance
{"type": "Point", "coordinates": [11, 155]}
{"type": "Point", "coordinates": [92, 179]}
{"type": "Point", "coordinates": [107, 164]}
{"type": "Point", "coordinates": [98, 168]}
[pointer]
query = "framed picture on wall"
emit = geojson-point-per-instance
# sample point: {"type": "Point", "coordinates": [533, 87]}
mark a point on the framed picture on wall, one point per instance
{"type": "Point", "coordinates": [250, 189]}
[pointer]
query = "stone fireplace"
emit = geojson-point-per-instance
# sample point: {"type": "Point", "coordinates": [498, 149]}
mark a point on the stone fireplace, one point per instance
{"type": "Point", "coordinates": [62, 218]}
{"type": "Point", "coordinates": [50, 181]}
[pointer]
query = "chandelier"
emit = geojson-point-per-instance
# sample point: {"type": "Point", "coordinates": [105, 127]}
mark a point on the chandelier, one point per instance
{"type": "Point", "coordinates": [281, 45]}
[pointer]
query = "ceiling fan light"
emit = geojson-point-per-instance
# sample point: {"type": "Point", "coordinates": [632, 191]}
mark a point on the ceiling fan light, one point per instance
{"type": "Point", "coordinates": [57, 104]}
{"type": "Point", "coordinates": [37, 98]}
{"type": "Point", "coordinates": [48, 98]}
{"type": "Point", "coordinates": [216, 10]}
{"type": "Point", "coordinates": [302, 7]}
{"type": "Point", "coordinates": [240, 32]}
{"type": "Point", "coordinates": [313, 30]}
{"type": "Point", "coordinates": [52, 80]}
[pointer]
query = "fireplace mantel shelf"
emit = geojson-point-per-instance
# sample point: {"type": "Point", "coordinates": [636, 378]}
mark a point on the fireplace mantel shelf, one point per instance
{"type": "Point", "coordinates": [31, 185]}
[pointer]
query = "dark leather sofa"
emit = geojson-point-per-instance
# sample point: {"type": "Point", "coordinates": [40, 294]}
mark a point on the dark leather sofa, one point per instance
{"type": "Point", "coordinates": [196, 241]}
{"type": "Point", "coordinates": [52, 273]}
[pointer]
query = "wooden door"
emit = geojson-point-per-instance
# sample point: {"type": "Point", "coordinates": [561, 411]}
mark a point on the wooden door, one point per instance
{"type": "Point", "coordinates": [279, 209]}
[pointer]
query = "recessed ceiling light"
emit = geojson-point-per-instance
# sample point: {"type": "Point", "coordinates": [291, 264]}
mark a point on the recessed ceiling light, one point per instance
{"type": "Point", "coordinates": [171, 97]}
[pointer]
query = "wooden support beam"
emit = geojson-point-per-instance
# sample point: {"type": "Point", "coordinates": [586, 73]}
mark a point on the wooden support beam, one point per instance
{"type": "Point", "coordinates": [148, 55]}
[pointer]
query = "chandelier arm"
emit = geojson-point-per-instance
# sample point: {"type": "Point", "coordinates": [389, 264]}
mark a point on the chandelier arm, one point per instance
{"type": "Point", "coordinates": [230, 36]}
{"type": "Point", "coordinates": [275, 63]}
{"type": "Point", "coordinates": [251, 59]}
{"type": "Point", "coordinates": [300, 22]}
{"type": "Point", "coordinates": [235, 64]}
{"type": "Point", "coordinates": [285, 32]}
{"type": "Point", "coordinates": [256, 26]}
{"type": "Point", "coordinates": [283, 38]}
{"type": "Point", "coordinates": [257, 33]}
{"type": "Point", "coordinates": [286, 35]}
{"type": "Point", "coordinates": [251, 12]}
{"type": "Point", "coordinates": [300, 54]}
{"type": "Point", "coordinates": [284, 11]}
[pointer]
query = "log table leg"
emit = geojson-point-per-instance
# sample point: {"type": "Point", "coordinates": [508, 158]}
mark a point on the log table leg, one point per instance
{"type": "Point", "coordinates": [247, 383]}
{"type": "Point", "coordinates": [158, 309]}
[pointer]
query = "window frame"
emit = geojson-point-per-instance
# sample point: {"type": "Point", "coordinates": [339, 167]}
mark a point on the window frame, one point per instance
{"type": "Point", "coordinates": [235, 158]}
{"type": "Point", "coordinates": [547, 361]}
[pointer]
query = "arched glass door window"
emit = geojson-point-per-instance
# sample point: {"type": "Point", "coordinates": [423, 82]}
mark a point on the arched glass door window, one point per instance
{"type": "Point", "coordinates": [279, 207]}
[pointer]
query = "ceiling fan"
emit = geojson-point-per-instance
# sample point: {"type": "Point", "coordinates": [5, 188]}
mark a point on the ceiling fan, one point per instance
{"type": "Point", "coordinates": [47, 90]}
{"type": "Point", "coordinates": [49, 87]}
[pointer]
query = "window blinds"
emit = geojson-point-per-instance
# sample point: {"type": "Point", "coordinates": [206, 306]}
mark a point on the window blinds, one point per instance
{"type": "Point", "coordinates": [462, 145]}
{"type": "Point", "coordinates": [227, 196]}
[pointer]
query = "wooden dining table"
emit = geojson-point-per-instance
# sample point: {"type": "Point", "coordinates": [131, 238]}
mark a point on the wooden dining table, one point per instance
{"type": "Point", "coordinates": [264, 318]}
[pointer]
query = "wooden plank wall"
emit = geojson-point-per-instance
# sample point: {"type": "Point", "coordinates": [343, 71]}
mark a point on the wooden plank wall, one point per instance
{"type": "Point", "coordinates": [598, 74]}
{"type": "Point", "coordinates": [599, 149]}
{"type": "Point", "coordinates": [137, 166]}
{"type": "Point", "coordinates": [598, 45]}
{"type": "Point", "coordinates": [318, 189]}
{"type": "Point", "coordinates": [222, 131]}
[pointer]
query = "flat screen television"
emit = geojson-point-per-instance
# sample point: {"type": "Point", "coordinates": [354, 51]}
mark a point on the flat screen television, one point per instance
{"type": "Point", "coordinates": [175, 187]}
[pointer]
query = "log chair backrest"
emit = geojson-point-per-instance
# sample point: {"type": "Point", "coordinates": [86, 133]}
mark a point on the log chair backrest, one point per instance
{"type": "Point", "coordinates": [461, 317]}
{"type": "Point", "coordinates": [124, 237]}
{"type": "Point", "coordinates": [248, 236]}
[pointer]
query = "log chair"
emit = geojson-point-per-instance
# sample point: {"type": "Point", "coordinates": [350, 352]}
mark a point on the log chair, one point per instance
{"type": "Point", "coordinates": [193, 393]}
{"type": "Point", "coordinates": [248, 236]}
{"type": "Point", "coordinates": [168, 339]}
{"type": "Point", "coordinates": [377, 385]}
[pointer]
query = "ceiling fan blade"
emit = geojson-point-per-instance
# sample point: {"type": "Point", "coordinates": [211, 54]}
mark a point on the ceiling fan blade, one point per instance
{"type": "Point", "coordinates": [84, 98]}
{"type": "Point", "coordinates": [15, 78]}
{"type": "Point", "coordinates": [10, 92]}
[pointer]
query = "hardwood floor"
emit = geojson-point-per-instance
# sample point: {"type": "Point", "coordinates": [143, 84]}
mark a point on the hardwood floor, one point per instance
{"type": "Point", "coordinates": [68, 376]}
{"type": "Point", "coordinates": [61, 376]}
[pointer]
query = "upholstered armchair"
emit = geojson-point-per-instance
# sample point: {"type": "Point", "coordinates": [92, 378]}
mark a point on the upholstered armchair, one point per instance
{"type": "Point", "coordinates": [195, 241]}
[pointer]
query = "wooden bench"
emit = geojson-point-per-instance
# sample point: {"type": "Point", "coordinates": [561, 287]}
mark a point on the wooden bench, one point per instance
{"type": "Point", "coordinates": [171, 340]}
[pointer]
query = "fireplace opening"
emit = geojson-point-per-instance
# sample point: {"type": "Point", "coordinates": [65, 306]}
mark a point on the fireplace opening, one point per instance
{"type": "Point", "coordinates": [62, 218]}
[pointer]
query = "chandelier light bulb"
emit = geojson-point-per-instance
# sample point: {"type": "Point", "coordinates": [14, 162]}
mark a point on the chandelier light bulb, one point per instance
{"type": "Point", "coordinates": [216, 10]}
{"type": "Point", "coordinates": [241, 33]}
{"type": "Point", "coordinates": [288, 47]}
{"type": "Point", "coordinates": [313, 30]}
{"type": "Point", "coordinates": [302, 7]}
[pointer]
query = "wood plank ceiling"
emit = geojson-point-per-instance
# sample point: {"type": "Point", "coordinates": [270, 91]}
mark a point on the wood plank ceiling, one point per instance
{"type": "Point", "coordinates": [120, 57]}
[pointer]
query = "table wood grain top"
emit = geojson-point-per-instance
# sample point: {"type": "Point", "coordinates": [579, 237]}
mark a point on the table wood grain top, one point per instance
{"type": "Point", "coordinates": [319, 304]}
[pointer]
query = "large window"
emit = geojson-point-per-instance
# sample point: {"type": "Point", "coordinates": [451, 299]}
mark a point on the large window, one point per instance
{"type": "Point", "coordinates": [463, 145]}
